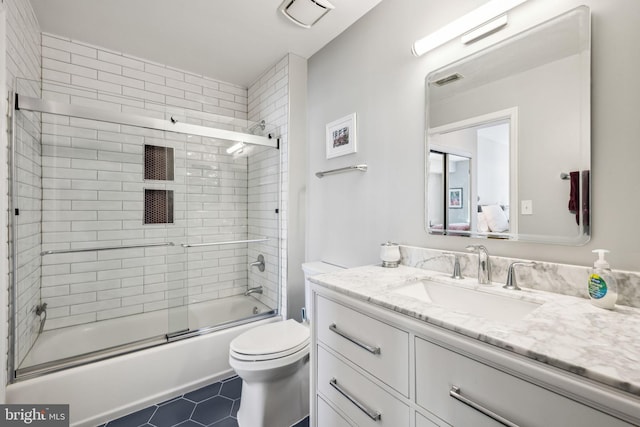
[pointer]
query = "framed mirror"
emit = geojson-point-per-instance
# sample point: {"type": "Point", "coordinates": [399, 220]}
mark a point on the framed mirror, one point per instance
{"type": "Point", "coordinates": [508, 137]}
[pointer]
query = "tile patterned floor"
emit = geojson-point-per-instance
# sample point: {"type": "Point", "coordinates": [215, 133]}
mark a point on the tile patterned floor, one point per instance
{"type": "Point", "coordinates": [215, 405]}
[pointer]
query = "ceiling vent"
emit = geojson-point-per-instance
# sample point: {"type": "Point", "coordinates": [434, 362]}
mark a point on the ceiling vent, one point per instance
{"type": "Point", "coordinates": [305, 12]}
{"type": "Point", "coordinates": [448, 79]}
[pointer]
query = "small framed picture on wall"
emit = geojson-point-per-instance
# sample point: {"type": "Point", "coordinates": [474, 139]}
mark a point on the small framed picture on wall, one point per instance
{"type": "Point", "coordinates": [455, 198]}
{"type": "Point", "coordinates": [341, 136]}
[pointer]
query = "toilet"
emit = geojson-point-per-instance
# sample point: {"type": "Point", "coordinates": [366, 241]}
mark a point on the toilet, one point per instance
{"type": "Point", "coordinates": [273, 362]}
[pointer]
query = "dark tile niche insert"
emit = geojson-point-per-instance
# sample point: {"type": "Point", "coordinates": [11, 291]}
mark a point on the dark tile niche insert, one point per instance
{"type": "Point", "coordinates": [158, 206]}
{"type": "Point", "coordinates": [158, 163]}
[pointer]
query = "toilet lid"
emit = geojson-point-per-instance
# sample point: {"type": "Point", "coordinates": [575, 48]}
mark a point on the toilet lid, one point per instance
{"type": "Point", "coordinates": [275, 339]}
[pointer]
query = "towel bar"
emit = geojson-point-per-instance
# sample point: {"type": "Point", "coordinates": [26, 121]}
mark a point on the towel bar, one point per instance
{"type": "Point", "coordinates": [362, 168]}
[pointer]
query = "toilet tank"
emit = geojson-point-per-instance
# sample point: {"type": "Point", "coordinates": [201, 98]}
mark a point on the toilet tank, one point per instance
{"type": "Point", "coordinates": [311, 269]}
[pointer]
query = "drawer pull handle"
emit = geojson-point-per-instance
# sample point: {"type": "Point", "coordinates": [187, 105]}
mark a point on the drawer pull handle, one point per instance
{"type": "Point", "coordinates": [456, 394]}
{"type": "Point", "coordinates": [371, 349]}
{"type": "Point", "coordinates": [374, 415]}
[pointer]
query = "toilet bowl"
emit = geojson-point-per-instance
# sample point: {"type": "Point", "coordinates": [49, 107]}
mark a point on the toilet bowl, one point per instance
{"type": "Point", "coordinates": [273, 362]}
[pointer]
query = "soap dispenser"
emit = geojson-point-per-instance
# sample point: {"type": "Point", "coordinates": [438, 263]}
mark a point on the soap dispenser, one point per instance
{"type": "Point", "coordinates": [603, 289]}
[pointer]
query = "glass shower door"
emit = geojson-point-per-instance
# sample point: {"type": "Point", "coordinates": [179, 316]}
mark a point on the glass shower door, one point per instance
{"type": "Point", "coordinates": [232, 194]}
{"type": "Point", "coordinates": [106, 246]}
{"type": "Point", "coordinates": [125, 227]}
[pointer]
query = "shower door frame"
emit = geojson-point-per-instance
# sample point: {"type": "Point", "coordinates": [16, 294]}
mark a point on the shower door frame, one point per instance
{"type": "Point", "coordinates": [172, 125]}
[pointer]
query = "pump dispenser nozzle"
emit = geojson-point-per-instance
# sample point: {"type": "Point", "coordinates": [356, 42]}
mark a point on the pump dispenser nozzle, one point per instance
{"type": "Point", "coordinates": [601, 262]}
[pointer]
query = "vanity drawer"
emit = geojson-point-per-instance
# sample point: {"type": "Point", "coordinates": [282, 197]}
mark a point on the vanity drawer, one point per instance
{"type": "Point", "coordinates": [439, 370]}
{"type": "Point", "coordinates": [359, 398]}
{"type": "Point", "coordinates": [327, 416]}
{"type": "Point", "coordinates": [376, 347]}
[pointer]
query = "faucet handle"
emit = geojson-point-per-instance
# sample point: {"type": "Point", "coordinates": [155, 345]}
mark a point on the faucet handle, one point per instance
{"type": "Point", "coordinates": [511, 276]}
{"type": "Point", "coordinates": [457, 273]}
{"type": "Point", "coordinates": [259, 263]}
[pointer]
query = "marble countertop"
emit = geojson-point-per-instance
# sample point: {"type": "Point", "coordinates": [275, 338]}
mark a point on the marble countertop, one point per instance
{"type": "Point", "coordinates": [564, 331]}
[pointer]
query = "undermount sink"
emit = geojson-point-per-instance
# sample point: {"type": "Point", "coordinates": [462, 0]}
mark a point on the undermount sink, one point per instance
{"type": "Point", "coordinates": [474, 302]}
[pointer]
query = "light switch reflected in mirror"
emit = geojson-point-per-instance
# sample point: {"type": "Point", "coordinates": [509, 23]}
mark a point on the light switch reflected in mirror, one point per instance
{"type": "Point", "coordinates": [504, 124]}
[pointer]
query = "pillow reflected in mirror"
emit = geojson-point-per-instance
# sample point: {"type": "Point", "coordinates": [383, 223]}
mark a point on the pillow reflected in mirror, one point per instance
{"type": "Point", "coordinates": [483, 227]}
{"type": "Point", "coordinates": [496, 218]}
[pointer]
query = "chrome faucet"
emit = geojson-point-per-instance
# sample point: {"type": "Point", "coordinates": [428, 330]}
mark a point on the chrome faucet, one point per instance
{"type": "Point", "coordinates": [256, 290]}
{"type": "Point", "coordinates": [484, 263]}
{"type": "Point", "coordinates": [511, 276]}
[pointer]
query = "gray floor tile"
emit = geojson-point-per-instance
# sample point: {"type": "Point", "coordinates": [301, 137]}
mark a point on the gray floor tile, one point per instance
{"type": "Point", "coordinates": [215, 405]}
{"type": "Point", "coordinates": [172, 413]}
{"type": "Point", "coordinates": [134, 420]}
{"type": "Point", "coordinates": [232, 389]}
{"type": "Point", "coordinates": [212, 410]}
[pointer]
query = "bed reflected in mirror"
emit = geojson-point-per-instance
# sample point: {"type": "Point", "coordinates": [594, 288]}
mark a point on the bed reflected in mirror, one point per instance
{"type": "Point", "coordinates": [470, 177]}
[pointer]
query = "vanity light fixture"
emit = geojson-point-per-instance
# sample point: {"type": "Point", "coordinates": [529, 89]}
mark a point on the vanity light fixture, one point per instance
{"type": "Point", "coordinates": [305, 13]}
{"type": "Point", "coordinates": [484, 30]}
{"type": "Point", "coordinates": [476, 24]}
{"type": "Point", "coordinates": [238, 147]}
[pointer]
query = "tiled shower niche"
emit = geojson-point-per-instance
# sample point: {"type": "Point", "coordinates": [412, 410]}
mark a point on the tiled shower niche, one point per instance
{"type": "Point", "coordinates": [158, 163]}
{"type": "Point", "coordinates": [158, 206]}
{"type": "Point", "coordinates": [158, 166]}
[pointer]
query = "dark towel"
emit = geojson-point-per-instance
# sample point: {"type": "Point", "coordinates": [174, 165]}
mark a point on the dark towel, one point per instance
{"type": "Point", "coordinates": [574, 193]}
{"type": "Point", "coordinates": [585, 199]}
{"type": "Point", "coordinates": [579, 196]}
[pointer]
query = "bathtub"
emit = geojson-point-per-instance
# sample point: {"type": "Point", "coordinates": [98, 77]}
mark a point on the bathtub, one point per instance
{"type": "Point", "coordinates": [107, 389]}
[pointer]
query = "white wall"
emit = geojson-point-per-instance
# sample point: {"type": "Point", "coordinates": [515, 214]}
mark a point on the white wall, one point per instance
{"type": "Point", "coordinates": [369, 70]}
{"type": "Point", "coordinates": [297, 183]}
{"type": "Point", "coordinates": [493, 170]}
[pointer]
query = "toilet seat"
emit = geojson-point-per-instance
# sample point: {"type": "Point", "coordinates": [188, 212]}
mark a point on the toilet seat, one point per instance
{"type": "Point", "coordinates": [272, 341]}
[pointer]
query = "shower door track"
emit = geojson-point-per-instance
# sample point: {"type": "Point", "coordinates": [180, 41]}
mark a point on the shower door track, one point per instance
{"type": "Point", "coordinates": [121, 350]}
{"type": "Point", "coordinates": [172, 125]}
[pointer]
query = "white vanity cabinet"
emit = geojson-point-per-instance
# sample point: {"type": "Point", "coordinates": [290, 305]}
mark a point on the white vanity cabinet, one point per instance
{"type": "Point", "coordinates": [361, 365]}
{"type": "Point", "coordinates": [327, 416]}
{"type": "Point", "coordinates": [377, 347]}
{"type": "Point", "coordinates": [374, 367]}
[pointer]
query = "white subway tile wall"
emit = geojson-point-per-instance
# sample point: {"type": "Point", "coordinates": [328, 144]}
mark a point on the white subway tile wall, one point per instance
{"type": "Point", "coordinates": [93, 186]}
{"type": "Point", "coordinates": [23, 61]}
{"type": "Point", "coordinates": [268, 100]}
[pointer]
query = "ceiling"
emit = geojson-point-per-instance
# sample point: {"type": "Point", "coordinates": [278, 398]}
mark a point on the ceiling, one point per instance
{"type": "Point", "coordinates": [233, 40]}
